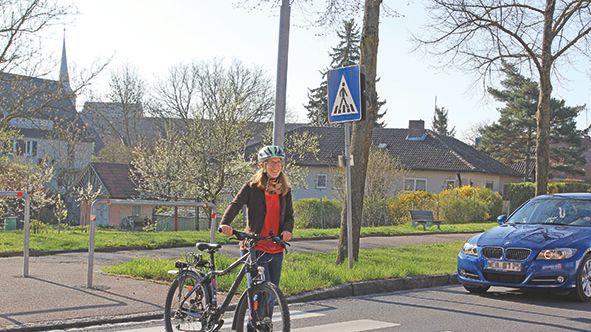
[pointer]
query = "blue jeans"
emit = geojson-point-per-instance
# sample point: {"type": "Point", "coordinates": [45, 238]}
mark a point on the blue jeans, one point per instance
{"type": "Point", "coordinates": [272, 264]}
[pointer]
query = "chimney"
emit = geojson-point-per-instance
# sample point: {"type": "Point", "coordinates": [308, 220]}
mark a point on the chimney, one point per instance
{"type": "Point", "coordinates": [416, 130]}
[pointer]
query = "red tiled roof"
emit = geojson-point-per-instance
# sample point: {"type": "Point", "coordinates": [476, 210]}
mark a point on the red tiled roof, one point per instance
{"type": "Point", "coordinates": [116, 178]}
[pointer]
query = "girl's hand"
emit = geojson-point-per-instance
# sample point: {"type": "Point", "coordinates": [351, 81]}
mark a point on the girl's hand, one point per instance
{"type": "Point", "coordinates": [226, 229]}
{"type": "Point", "coordinates": [286, 235]}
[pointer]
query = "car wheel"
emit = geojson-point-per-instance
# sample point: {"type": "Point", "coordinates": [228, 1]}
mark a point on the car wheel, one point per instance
{"type": "Point", "coordinates": [582, 292]}
{"type": "Point", "coordinates": [476, 289]}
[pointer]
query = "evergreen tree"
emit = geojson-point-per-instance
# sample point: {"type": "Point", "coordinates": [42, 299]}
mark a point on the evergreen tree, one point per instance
{"type": "Point", "coordinates": [346, 53]}
{"type": "Point", "coordinates": [512, 138]}
{"type": "Point", "coordinates": [439, 124]}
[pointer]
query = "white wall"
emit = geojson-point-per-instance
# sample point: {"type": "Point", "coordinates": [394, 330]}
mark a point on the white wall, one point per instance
{"type": "Point", "coordinates": [436, 181]}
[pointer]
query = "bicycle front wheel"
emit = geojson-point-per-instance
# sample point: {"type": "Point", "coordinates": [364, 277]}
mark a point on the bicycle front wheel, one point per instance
{"type": "Point", "coordinates": [186, 302]}
{"type": "Point", "coordinates": [265, 309]}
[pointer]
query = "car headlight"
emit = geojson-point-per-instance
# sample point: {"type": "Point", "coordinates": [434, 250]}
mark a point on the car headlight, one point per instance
{"type": "Point", "coordinates": [556, 254]}
{"type": "Point", "coordinates": [470, 249]}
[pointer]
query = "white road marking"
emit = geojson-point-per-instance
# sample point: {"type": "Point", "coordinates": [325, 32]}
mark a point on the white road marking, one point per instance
{"type": "Point", "coordinates": [228, 321]}
{"type": "Point", "coordinates": [350, 326]}
{"type": "Point", "coordinates": [293, 315]}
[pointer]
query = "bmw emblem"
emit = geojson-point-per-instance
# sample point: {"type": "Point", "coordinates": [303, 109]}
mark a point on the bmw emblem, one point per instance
{"type": "Point", "coordinates": [507, 243]}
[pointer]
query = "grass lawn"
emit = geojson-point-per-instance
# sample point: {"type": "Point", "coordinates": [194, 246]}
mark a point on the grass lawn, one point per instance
{"type": "Point", "coordinates": [309, 271]}
{"type": "Point", "coordinates": [71, 240]}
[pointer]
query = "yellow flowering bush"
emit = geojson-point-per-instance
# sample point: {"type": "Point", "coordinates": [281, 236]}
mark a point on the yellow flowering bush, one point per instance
{"type": "Point", "coordinates": [399, 207]}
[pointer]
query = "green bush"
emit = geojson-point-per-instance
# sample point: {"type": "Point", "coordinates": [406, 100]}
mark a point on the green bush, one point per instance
{"type": "Point", "coordinates": [469, 204]}
{"type": "Point", "coordinates": [462, 211]}
{"type": "Point", "coordinates": [37, 226]}
{"type": "Point", "coordinates": [375, 212]}
{"type": "Point", "coordinates": [522, 191]}
{"type": "Point", "coordinates": [317, 213]}
{"type": "Point", "coordinates": [399, 207]}
{"type": "Point", "coordinates": [568, 187]}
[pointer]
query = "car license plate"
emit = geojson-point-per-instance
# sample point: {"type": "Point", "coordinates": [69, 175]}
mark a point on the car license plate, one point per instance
{"type": "Point", "coordinates": [503, 266]}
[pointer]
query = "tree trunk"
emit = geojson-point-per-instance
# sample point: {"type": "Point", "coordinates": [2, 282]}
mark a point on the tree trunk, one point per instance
{"type": "Point", "coordinates": [543, 113]}
{"type": "Point", "coordinates": [361, 138]}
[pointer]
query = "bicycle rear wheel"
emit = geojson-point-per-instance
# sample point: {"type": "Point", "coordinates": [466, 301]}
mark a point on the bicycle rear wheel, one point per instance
{"type": "Point", "coordinates": [186, 302]}
{"type": "Point", "coordinates": [266, 311]}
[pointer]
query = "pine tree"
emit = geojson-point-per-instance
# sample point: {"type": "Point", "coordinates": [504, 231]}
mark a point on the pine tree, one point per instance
{"type": "Point", "coordinates": [439, 124]}
{"type": "Point", "coordinates": [512, 139]}
{"type": "Point", "coordinates": [346, 53]}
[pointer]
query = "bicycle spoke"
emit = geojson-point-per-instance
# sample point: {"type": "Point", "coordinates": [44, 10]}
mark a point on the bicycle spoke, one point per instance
{"type": "Point", "coordinates": [267, 311]}
{"type": "Point", "coordinates": [185, 305]}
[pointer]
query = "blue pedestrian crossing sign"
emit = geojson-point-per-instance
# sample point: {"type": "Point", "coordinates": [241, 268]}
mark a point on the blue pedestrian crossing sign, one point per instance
{"type": "Point", "coordinates": [345, 94]}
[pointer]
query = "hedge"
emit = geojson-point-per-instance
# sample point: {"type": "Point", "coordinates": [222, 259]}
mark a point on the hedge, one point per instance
{"type": "Point", "coordinates": [317, 213]}
{"type": "Point", "coordinates": [522, 191]}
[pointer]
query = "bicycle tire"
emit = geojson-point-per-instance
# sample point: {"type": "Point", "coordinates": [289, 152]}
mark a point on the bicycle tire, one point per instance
{"type": "Point", "coordinates": [189, 317]}
{"type": "Point", "coordinates": [279, 320]}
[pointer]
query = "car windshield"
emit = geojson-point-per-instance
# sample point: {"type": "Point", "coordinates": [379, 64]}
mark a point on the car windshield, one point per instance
{"type": "Point", "coordinates": [554, 210]}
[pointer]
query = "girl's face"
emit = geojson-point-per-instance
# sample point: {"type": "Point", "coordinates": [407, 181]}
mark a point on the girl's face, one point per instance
{"type": "Point", "coordinates": [273, 167]}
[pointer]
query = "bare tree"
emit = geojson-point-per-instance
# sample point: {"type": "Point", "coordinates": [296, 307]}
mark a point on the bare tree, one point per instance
{"type": "Point", "coordinates": [21, 22]}
{"type": "Point", "coordinates": [480, 35]}
{"type": "Point", "coordinates": [217, 105]}
{"type": "Point", "coordinates": [126, 92]}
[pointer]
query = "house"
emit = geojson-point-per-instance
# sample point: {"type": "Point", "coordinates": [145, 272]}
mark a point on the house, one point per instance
{"type": "Point", "coordinates": [114, 181]}
{"type": "Point", "coordinates": [44, 115]}
{"type": "Point", "coordinates": [434, 162]}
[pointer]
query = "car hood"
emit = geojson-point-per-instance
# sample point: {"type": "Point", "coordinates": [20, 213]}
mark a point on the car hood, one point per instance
{"type": "Point", "coordinates": [533, 236]}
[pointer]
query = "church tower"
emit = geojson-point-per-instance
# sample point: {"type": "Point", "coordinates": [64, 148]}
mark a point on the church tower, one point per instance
{"type": "Point", "coordinates": [64, 77]}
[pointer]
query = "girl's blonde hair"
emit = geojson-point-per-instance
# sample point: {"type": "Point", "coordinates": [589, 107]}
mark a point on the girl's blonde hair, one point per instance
{"type": "Point", "coordinates": [260, 179]}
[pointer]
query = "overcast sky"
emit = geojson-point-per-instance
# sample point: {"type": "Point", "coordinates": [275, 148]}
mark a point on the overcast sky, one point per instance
{"type": "Point", "coordinates": [152, 35]}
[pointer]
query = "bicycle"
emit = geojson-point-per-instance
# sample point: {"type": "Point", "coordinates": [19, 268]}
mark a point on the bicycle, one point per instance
{"type": "Point", "coordinates": [191, 302]}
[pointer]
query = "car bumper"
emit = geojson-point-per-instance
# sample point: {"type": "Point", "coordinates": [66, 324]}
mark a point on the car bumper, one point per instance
{"type": "Point", "coordinates": [534, 273]}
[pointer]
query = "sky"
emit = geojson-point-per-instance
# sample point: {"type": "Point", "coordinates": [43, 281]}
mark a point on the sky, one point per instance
{"type": "Point", "coordinates": [153, 35]}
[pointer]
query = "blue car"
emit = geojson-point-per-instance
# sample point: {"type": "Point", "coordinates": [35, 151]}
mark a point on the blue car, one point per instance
{"type": "Point", "coordinates": [545, 244]}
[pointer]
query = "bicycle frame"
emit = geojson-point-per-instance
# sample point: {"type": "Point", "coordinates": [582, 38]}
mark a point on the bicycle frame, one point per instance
{"type": "Point", "coordinates": [210, 278]}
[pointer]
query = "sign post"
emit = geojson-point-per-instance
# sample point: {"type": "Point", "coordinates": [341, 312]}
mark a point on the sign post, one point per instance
{"type": "Point", "coordinates": [346, 104]}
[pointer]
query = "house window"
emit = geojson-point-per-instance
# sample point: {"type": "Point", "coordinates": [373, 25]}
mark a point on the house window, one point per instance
{"type": "Point", "coordinates": [450, 184]}
{"type": "Point", "coordinates": [412, 184]}
{"type": "Point", "coordinates": [27, 148]}
{"type": "Point", "coordinates": [490, 185]}
{"type": "Point", "coordinates": [136, 210]}
{"type": "Point", "coordinates": [321, 180]}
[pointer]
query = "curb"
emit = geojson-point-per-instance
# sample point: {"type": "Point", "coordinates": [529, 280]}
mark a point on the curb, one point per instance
{"type": "Point", "coordinates": [339, 291]}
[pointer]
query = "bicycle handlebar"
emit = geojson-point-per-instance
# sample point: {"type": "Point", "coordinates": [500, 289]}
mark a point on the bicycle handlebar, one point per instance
{"type": "Point", "coordinates": [249, 236]}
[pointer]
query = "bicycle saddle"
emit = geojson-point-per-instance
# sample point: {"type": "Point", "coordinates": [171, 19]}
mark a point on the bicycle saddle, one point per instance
{"type": "Point", "coordinates": [208, 246]}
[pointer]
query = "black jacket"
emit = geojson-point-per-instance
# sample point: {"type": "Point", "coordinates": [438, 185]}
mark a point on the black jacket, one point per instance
{"type": "Point", "coordinates": [254, 199]}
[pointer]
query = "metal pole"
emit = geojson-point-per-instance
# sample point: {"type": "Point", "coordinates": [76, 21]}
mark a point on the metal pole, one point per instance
{"type": "Point", "coordinates": [347, 159]}
{"type": "Point", "coordinates": [91, 248]}
{"type": "Point", "coordinates": [281, 84]}
{"type": "Point", "coordinates": [213, 227]}
{"type": "Point", "coordinates": [27, 227]}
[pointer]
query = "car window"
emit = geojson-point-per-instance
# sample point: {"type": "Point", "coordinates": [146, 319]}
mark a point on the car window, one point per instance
{"type": "Point", "coordinates": [564, 211]}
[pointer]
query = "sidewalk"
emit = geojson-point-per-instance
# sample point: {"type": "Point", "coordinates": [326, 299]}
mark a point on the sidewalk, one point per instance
{"type": "Point", "coordinates": [55, 294]}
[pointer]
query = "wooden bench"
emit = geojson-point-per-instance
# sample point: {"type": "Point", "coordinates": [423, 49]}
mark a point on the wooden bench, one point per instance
{"type": "Point", "coordinates": [423, 218]}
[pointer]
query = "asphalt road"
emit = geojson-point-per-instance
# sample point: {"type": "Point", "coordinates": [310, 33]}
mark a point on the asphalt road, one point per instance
{"type": "Point", "coordinates": [447, 308]}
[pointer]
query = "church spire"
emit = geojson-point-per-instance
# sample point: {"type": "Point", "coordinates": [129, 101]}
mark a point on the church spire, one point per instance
{"type": "Point", "coordinates": [64, 77]}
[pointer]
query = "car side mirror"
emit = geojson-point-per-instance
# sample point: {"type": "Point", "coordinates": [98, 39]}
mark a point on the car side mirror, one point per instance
{"type": "Point", "coordinates": [502, 219]}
